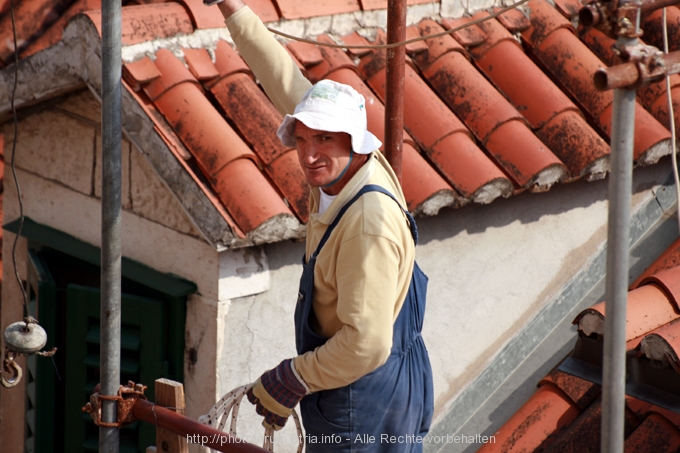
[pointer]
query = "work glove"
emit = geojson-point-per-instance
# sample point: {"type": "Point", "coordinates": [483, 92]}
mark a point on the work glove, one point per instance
{"type": "Point", "coordinates": [276, 393]}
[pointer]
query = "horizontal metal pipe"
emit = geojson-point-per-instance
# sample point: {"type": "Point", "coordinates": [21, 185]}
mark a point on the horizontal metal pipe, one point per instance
{"type": "Point", "coordinates": [172, 421]}
{"type": "Point", "coordinates": [628, 75]}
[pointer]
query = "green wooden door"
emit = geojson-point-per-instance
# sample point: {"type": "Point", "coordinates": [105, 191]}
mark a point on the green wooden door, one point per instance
{"type": "Point", "coordinates": [143, 359]}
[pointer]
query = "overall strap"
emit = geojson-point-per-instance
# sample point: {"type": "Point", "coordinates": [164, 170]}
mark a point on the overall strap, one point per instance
{"type": "Point", "coordinates": [365, 189]}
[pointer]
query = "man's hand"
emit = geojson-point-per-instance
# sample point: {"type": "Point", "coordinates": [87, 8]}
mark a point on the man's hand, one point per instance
{"type": "Point", "coordinates": [276, 393]}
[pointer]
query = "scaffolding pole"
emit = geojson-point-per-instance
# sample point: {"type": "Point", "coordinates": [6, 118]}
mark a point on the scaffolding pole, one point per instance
{"type": "Point", "coordinates": [109, 359]}
{"type": "Point", "coordinates": [394, 97]}
{"type": "Point", "coordinates": [618, 239]}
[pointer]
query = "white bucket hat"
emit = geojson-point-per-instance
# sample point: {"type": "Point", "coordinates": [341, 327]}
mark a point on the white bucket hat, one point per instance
{"type": "Point", "coordinates": [332, 107]}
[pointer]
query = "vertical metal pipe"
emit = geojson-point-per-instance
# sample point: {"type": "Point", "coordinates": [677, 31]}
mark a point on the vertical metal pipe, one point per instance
{"type": "Point", "coordinates": [394, 102]}
{"type": "Point", "coordinates": [109, 441]}
{"type": "Point", "coordinates": [618, 238]}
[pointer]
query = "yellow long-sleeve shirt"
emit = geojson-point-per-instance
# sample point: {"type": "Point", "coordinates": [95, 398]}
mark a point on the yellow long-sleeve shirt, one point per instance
{"type": "Point", "coordinates": [363, 272]}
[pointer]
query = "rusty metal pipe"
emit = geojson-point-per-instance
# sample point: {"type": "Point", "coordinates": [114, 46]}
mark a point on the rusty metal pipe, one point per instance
{"type": "Point", "coordinates": [161, 417]}
{"type": "Point", "coordinates": [395, 73]}
{"type": "Point", "coordinates": [628, 74]}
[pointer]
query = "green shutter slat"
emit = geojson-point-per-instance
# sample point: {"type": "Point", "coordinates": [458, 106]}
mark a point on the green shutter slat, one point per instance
{"type": "Point", "coordinates": [129, 337]}
{"type": "Point", "coordinates": [30, 419]}
{"type": "Point", "coordinates": [127, 365]}
{"type": "Point", "coordinates": [30, 392]}
{"type": "Point", "coordinates": [29, 444]}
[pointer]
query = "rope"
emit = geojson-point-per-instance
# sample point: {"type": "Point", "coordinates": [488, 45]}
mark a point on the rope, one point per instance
{"type": "Point", "coordinates": [402, 43]}
{"type": "Point", "coordinates": [226, 410]}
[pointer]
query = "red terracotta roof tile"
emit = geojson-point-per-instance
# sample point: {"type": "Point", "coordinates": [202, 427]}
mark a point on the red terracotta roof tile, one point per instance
{"type": "Point", "coordinates": [652, 96]}
{"type": "Point", "coordinates": [227, 61]}
{"type": "Point", "coordinates": [140, 73]}
{"type": "Point", "coordinates": [200, 64]}
{"type": "Point", "coordinates": [553, 42]}
{"type": "Point", "coordinates": [547, 411]}
{"type": "Point", "coordinates": [288, 177]}
{"type": "Point", "coordinates": [468, 169]}
{"type": "Point", "coordinates": [583, 434]}
{"type": "Point", "coordinates": [265, 9]}
{"type": "Point", "coordinates": [437, 47]}
{"type": "Point", "coordinates": [203, 17]}
{"type": "Point", "coordinates": [148, 22]}
{"type": "Point", "coordinates": [663, 345]}
{"type": "Point", "coordinates": [173, 72]}
{"type": "Point", "coordinates": [355, 39]}
{"type": "Point", "coordinates": [652, 25]}
{"type": "Point", "coordinates": [503, 61]}
{"type": "Point", "coordinates": [651, 141]}
{"type": "Point", "coordinates": [580, 391]}
{"type": "Point", "coordinates": [30, 16]}
{"type": "Point", "coordinates": [514, 20]}
{"type": "Point", "coordinates": [569, 8]}
{"type": "Point", "coordinates": [306, 53]}
{"type": "Point", "coordinates": [494, 121]}
{"type": "Point", "coordinates": [368, 5]}
{"type": "Point", "coordinates": [648, 308]}
{"type": "Point", "coordinates": [654, 435]}
{"type": "Point", "coordinates": [333, 59]}
{"type": "Point", "coordinates": [53, 33]}
{"type": "Point", "coordinates": [464, 89]}
{"type": "Point", "coordinates": [580, 148]}
{"type": "Point", "coordinates": [470, 36]}
{"type": "Point", "coordinates": [295, 9]}
{"type": "Point", "coordinates": [179, 98]}
{"type": "Point", "coordinates": [413, 47]}
{"type": "Point", "coordinates": [440, 134]}
{"type": "Point", "coordinates": [525, 158]}
{"type": "Point", "coordinates": [247, 195]}
{"type": "Point", "coordinates": [505, 64]}
{"type": "Point", "coordinates": [668, 259]}
{"type": "Point", "coordinates": [242, 100]}
{"type": "Point", "coordinates": [669, 281]}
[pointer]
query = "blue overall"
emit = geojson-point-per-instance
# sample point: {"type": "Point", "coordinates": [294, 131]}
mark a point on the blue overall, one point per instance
{"type": "Point", "coordinates": [387, 410]}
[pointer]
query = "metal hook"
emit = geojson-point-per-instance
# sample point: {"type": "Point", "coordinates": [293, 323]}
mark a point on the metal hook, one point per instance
{"type": "Point", "coordinates": [11, 367]}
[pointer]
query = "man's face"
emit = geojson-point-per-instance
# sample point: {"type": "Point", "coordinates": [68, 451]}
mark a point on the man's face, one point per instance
{"type": "Point", "coordinates": [322, 155]}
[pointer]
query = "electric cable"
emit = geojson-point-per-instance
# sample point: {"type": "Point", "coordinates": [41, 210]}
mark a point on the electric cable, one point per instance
{"type": "Point", "coordinates": [671, 119]}
{"type": "Point", "coordinates": [12, 164]}
{"type": "Point", "coordinates": [402, 43]}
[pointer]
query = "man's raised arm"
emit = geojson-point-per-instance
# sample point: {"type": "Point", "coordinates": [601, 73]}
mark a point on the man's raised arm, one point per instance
{"type": "Point", "coordinates": [270, 62]}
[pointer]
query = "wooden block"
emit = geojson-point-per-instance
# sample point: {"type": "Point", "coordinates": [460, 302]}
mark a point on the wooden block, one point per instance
{"type": "Point", "coordinates": [170, 394]}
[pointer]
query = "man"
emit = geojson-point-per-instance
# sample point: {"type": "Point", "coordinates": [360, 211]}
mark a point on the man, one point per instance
{"type": "Point", "coordinates": [362, 376]}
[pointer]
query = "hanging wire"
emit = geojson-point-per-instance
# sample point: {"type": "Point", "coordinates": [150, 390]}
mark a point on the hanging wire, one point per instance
{"type": "Point", "coordinates": [403, 43]}
{"type": "Point", "coordinates": [671, 116]}
{"type": "Point", "coordinates": [14, 147]}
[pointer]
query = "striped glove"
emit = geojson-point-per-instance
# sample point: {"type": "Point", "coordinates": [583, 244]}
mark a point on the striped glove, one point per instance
{"type": "Point", "coordinates": [276, 393]}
